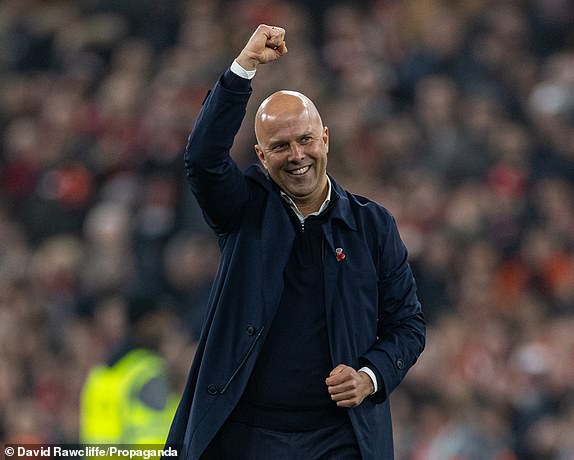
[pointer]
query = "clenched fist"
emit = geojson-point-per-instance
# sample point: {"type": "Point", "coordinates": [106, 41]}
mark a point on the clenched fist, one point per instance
{"type": "Point", "coordinates": [265, 45]}
{"type": "Point", "coordinates": [348, 387]}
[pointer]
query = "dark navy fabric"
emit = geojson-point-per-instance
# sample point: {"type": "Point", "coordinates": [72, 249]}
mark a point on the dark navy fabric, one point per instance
{"type": "Point", "coordinates": [276, 396]}
{"type": "Point", "coordinates": [373, 316]}
{"type": "Point", "coordinates": [237, 441]}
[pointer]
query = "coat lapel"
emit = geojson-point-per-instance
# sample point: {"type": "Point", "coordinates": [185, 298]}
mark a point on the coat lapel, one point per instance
{"type": "Point", "coordinates": [341, 215]}
{"type": "Point", "coordinates": [277, 234]}
{"type": "Point", "coordinates": [330, 272]}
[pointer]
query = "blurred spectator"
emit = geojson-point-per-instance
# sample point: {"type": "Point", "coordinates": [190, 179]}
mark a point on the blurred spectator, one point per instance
{"type": "Point", "coordinates": [189, 264]}
{"type": "Point", "coordinates": [130, 398]}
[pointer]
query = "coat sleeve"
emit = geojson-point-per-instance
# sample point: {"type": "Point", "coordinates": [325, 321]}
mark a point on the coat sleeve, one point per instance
{"type": "Point", "coordinates": [401, 325]}
{"type": "Point", "coordinates": [215, 179]}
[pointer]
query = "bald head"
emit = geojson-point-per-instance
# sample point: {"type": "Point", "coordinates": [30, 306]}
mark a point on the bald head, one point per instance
{"type": "Point", "coordinates": [281, 108]}
{"type": "Point", "coordinates": [292, 145]}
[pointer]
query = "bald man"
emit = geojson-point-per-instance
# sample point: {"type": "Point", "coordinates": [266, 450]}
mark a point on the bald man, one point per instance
{"type": "Point", "coordinates": [313, 317]}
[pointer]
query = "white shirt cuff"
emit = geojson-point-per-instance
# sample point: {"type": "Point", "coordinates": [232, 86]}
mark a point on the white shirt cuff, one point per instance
{"type": "Point", "coordinates": [372, 376]}
{"type": "Point", "coordinates": [241, 72]}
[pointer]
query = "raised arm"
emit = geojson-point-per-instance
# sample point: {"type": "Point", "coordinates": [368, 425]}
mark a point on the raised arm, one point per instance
{"type": "Point", "coordinates": [214, 178]}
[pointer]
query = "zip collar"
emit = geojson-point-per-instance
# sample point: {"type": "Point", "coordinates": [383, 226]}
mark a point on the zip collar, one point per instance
{"type": "Point", "coordinates": [342, 209]}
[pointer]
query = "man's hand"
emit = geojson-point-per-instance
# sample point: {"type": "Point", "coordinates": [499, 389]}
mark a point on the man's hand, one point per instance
{"type": "Point", "coordinates": [265, 45]}
{"type": "Point", "coordinates": [347, 387]}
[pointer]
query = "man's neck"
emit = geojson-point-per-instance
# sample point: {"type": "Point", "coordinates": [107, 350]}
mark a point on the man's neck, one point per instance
{"type": "Point", "coordinates": [315, 206]}
{"type": "Point", "coordinates": [307, 208]}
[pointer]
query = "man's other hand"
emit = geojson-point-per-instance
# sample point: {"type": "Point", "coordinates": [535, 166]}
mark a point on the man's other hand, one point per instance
{"type": "Point", "coordinates": [348, 387]}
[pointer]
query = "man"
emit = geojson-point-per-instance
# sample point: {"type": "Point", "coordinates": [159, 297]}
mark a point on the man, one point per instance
{"type": "Point", "coordinates": [313, 316]}
{"type": "Point", "coordinates": [129, 399]}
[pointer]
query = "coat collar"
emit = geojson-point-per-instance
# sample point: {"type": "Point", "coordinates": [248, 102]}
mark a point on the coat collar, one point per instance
{"type": "Point", "coordinates": [342, 209]}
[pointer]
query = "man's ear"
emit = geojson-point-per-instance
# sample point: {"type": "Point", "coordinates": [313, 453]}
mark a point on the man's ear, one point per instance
{"type": "Point", "coordinates": [261, 155]}
{"type": "Point", "coordinates": [326, 137]}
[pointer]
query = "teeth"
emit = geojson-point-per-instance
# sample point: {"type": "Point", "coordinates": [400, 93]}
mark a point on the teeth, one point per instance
{"type": "Point", "coordinates": [300, 171]}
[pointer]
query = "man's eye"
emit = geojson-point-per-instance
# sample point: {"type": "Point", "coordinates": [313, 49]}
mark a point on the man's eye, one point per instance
{"type": "Point", "coordinates": [305, 140]}
{"type": "Point", "coordinates": [279, 147]}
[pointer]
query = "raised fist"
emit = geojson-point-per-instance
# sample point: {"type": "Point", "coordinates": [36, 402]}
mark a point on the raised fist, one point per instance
{"type": "Point", "coordinates": [265, 45]}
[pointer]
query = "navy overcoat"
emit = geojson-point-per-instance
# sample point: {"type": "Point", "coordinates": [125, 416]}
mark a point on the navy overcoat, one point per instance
{"type": "Point", "coordinates": [372, 312]}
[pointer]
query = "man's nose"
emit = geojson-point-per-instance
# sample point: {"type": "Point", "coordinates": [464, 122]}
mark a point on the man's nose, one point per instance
{"type": "Point", "coordinates": [296, 152]}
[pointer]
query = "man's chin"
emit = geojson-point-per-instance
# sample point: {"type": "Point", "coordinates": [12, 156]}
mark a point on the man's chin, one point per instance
{"type": "Point", "coordinates": [297, 194]}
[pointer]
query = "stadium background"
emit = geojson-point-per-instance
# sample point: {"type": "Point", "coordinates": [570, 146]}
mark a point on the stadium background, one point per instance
{"type": "Point", "coordinates": [456, 115]}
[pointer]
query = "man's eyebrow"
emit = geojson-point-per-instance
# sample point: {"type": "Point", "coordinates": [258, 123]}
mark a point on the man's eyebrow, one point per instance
{"type": "Point", "coordinates": [307, 134]}
{"type": "Point", "coordinates": [277, 142]}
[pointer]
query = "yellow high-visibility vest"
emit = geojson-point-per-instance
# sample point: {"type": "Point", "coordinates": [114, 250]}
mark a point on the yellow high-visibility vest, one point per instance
{"type": "Point", "coordinates": [111, 411]}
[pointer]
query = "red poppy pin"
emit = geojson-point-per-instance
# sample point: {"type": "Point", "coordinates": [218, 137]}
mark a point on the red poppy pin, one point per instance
{"type": "Point", "coordinates": [339, 254]}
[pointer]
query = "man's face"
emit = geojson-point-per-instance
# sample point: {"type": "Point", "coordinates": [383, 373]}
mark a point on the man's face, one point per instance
{"type": "Point", "coordinates": [292, 146]}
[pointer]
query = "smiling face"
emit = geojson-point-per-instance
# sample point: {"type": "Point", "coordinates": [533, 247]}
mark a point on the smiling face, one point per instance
{"type": "Point", "coordinates": [292, 144]}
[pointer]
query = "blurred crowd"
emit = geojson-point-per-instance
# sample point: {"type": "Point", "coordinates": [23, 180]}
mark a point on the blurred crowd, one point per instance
{"type": "Point", "coordinates": [457, 115]}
